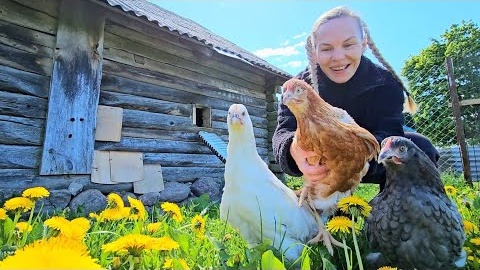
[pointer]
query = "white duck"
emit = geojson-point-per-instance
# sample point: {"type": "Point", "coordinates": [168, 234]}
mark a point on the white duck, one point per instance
{"type": "Point", "coordinates": [254, 200]}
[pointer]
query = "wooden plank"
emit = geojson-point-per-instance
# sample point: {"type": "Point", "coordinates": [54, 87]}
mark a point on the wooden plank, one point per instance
{"type": "Point", "coordinates": [133, 118]}
{"type": "Point", "coordinates": [19, 157]}
{"type": "Point", "coordinates": [186, 47]}
{"type": "Point", "coordinates": [468, 102]}
{"type": "Point", "coordinates": [153, 146]}
{"type": "Point", "coordinates": [223, 89]}
{"type": "Point", "coordinates": [75, 89]}
{"type": "Point", "coordinates": [21, 131]}
{"type": "Point", "coordinates": [452, 87]}
{"type": "Point", "coordinates": [183, 160]}
{"type": "Point", "coordinates": [22, 105]}
{"type": "Point", "coordinates": [152, 182]}
{"type": "Point", "coordinates": [120, 45]}
{"type": "Point", "coordinates": [126, 167]}
{"type": "Point", "coordinates": [133, 102]}
{"type": "Point", "coordinates": [33, 41]}
{"type": "Point", "coordinates": [190, 174]}
{"type": "Point", "coordinates": [18, 81]}
{"type": "Point", "coordinates": [18, 14]}
{"type": "Point", "coordinates": [101, 168]}
{"type": "Point", "coordinates": [19, 59]}
{"type": "Point", "coordinates": [109, 124]}
{"type": "Point", "coordinates": [49, 7]}
{"type": "Point", "coordinates": [129, 80]}
{"type": "Point", "coordinates": [172, 135]}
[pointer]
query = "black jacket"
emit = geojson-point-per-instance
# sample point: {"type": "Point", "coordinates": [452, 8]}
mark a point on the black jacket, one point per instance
{"type": "Point", "coordinates": [373, 97]}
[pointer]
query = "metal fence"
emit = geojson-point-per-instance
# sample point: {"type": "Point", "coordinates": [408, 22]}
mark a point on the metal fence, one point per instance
{"type": "Point", "coordinates": [449, 115]}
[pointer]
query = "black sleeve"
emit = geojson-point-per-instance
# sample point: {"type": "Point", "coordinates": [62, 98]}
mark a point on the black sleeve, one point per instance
{"type": "Point", "coordinates": [383, 119]}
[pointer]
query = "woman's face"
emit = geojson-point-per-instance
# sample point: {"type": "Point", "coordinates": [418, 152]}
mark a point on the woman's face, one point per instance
{"type": "Point", "coordinates": [339, 47]}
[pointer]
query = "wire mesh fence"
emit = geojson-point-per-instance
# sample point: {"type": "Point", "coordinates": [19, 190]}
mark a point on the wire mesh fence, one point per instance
{"type": "Point", "coordinates": [436, 120]}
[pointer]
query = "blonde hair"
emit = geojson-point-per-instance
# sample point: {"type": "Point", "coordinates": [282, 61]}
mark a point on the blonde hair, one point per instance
{"type": "Point", "coordinates": [342, 11]}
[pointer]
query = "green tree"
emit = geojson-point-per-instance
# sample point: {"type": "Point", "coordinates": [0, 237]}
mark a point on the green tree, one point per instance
{"type": "Point", "coordinates": [427, 80]}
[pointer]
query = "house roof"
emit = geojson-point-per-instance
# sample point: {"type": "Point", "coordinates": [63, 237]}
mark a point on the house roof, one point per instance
{"type": "Point", "coordinates": [186, 27]}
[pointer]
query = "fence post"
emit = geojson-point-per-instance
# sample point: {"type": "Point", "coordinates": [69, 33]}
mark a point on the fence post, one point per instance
{"type": "Point", "coordinates": [452, 86]}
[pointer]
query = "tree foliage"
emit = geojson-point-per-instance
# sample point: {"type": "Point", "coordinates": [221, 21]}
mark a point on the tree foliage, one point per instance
{"type": "Point", "coordinates": [427, 79]}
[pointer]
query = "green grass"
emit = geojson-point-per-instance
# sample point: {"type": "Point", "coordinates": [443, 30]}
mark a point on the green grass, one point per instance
{"type": "Point", "coordinates": [219, 246]}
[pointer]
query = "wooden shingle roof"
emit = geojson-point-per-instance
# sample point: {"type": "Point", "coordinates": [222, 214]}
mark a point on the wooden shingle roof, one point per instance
{"type": "Point", "coordinates": [186, 27]}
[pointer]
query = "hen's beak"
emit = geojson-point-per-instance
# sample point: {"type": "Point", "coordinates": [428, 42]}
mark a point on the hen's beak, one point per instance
{"type": "Point", "coordinates": [236, 119]}
{"type": "Point", "coordinates": [286, 97]}
{"type": "Point", "coordinates": [385, 153]}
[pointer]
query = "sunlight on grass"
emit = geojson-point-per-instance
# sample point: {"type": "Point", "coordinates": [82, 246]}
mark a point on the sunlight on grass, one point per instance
{"type": "Point", "coordinates": [189, 237]}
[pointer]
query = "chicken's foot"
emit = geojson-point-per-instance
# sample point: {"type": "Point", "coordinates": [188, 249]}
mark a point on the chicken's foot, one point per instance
{"type": "Point", "coordinates": [324, 235]}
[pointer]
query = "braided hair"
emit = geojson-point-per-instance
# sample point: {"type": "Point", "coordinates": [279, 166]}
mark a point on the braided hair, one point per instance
{"type": "Point", "coordinates": [342, 11]}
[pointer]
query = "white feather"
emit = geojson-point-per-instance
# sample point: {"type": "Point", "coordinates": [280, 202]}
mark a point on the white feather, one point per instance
{"type": "Point", "coordinates": [254, 200]}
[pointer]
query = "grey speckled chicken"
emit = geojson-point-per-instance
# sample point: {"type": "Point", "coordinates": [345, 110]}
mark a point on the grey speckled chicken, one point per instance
{"type": "Point", "coordinates": [413, 224]}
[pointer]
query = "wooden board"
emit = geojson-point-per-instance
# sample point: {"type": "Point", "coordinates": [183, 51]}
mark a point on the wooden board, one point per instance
{"type": "Point", "coordinates": [109, 124]}
{"type": "Point", "coordinates": [75, 89]}
{"type": "Point", "coordinates": [126, 167]}
{"type": "Point", "coordinates": [101, 168]}
{"type": "Point", "coordinates": [152, 180]}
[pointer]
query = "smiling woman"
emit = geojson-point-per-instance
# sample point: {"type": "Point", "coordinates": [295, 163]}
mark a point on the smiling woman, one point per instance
{"type": "Point", "coordinates": [372, 95]}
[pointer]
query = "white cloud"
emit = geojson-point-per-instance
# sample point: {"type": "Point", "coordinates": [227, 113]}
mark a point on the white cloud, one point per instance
{"type": "Point", "coordinates": [293, 64]}
{"type": "Point", "coordinates": [283, 51]}
{"type": "Point", "coordinates": [301, 35]}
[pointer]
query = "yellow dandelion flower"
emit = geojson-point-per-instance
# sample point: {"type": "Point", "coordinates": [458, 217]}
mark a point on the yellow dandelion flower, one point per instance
{"type": "Point", "coordinates": [470, 227]}
{"type": "Point", "coordinates": [23, 227]}
{"type": "Point", "coordinates": [94, 216]}
{"type": "Point", "coordinates": [450, 190]}
{"type": "Point", "coordinates": [57, 223]}
{"type": "Point", "coordinates": [3, 214]}
{"type": "Point", "coordinates": [133, 244]}
{"type": "Point", "coordinates": [18, 204]}
{"type": "Point", "coordinates": [137, 209]}
{"type": "Point", "coordinates": [114, 201]}
{"type": "Point", "coordinates": [53, 253]}
{"type": "Point", "coordinates": [168, 264]}
{"type": "Point", "coordinates": [154, 227]}
{"type": "Point", "coordinates": [339, 224]}
{"type": "Point", "coordinates": [184, 264]}
{"type": "Point", "coordinates": [387, 268]}
{"type": "Point", "coordinates": [350, 203]}
{"type": "Point", "coordinates": [198, 224]}
{"type": "Point", "coordinates": [475, 241]}
{"type": "Point", "coordinates": [74, 230]}
{"type": "Point", "coordinates": [35, 193]}
{"type": "Point", "coordinates": [112, 214]}
{"type": "Point", "coordinates": [165, 243]}
{"type": "Point", "coordinates": [172, 209]}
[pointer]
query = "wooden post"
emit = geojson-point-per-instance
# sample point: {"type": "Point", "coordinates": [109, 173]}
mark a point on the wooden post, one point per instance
{"type": "Point", "coordinates": [452, 86]}
{"type": "Point", "coordinates": [74, 89]}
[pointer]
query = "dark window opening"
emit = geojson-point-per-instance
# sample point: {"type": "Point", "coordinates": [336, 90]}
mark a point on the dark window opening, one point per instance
{"type": "Point", "coordinates": [202, 116]}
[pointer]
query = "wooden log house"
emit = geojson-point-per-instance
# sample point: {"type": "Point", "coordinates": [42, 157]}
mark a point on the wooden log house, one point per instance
{"type": "Point", "coordinates": [110, 92]}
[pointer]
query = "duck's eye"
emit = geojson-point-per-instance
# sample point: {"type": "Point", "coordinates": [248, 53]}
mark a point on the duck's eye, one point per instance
{"type": "Point", "coordinates": [402, 148]}
{"type": "Point", "coordinates": [243, 113]}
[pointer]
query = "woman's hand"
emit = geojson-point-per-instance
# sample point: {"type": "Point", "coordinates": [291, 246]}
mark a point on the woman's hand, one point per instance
{"type": "Point", "coordinates": [313, 173]}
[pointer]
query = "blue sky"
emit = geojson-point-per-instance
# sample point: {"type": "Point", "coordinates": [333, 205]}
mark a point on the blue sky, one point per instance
{"type": "Point", "coordinates": [276, 30]}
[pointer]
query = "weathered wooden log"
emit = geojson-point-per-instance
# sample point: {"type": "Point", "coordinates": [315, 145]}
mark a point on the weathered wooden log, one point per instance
{"type": "Point", "coordinates": [18, 81]}
{"type": "Point", "coordinates": [22, 105]}
{"type": "Point", "coordinates": [21, 131]}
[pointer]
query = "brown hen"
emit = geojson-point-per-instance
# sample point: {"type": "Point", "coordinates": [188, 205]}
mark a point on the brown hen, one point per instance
{"type": "Point", "coordinates": [341, 145]}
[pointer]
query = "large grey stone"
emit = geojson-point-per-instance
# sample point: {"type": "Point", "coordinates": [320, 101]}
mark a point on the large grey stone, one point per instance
{"type": "Point", "coordinates": [174, 192]}
{"type": "Point", "coordinates": [207, 186]}
{"type": "Point", "coordinates": [88, 201]}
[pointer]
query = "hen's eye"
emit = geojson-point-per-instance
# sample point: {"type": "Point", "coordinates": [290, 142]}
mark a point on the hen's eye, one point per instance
{"type": "Point", "coordinates": [298, 91]}
{"type": "Point", "coordinates": [402, 148]}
